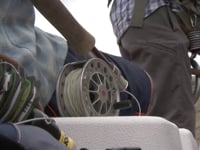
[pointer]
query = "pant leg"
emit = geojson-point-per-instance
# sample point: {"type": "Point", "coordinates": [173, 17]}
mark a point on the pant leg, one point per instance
{"type": "Point", "coordinates": [160, 47]}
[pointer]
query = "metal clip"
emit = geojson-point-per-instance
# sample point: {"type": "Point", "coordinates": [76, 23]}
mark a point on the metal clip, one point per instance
{"type": "Point", "coordinates": [193, 20]}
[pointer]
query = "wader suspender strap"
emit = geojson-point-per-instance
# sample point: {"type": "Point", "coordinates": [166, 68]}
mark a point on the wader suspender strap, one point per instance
{"type": "Point", "coordinates": [185, 16]}
{"type": "Point", "coordinates": [138, 13]}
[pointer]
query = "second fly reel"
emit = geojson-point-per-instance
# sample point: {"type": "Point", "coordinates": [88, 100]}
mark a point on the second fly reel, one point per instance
{"type": "Point", "coordinates": [87, 88]}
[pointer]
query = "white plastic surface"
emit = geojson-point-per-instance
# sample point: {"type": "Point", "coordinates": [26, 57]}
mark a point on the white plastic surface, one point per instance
{"type": "Point", "coordinates": [187, 139]}
{"type": "Point", "coordinates": [99, 133]}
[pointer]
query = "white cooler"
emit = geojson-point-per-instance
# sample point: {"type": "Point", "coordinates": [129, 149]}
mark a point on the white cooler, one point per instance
{"type": "Point", "coordinates": [145, 132]}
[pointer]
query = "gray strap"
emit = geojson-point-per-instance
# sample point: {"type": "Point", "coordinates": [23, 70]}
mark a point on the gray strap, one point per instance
{"type": "Point", "coordinates": [185, 19]}
{"type": "Point", "coordinates": [138, 13]}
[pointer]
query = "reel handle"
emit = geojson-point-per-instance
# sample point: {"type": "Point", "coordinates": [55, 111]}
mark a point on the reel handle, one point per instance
{"type": "Point", "coordinates": [59, 16]}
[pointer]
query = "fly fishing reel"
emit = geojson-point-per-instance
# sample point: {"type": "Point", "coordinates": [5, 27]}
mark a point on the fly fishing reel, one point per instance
{"type": "Point", "coordinates": [87, 88]}
{"type": "Point", "coordinates": [18, 92]}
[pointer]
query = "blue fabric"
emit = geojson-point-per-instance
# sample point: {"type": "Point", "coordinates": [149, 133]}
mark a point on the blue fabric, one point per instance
{"type": "Point", "coordinates": [42, 55]}
{"type": "Point", "coordinates": [29, 137]}
{"type": "Point", "coordinates": [7, 144]}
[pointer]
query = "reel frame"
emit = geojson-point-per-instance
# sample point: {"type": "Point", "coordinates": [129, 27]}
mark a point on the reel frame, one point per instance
{"type": "Point", "coordinates": [97, 88]}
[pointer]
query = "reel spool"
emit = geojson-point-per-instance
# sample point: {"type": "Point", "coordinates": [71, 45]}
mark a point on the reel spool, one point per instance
{"type": "Point", "coordinates": [18, 92]}
{"type": "Point", "coordinates": [87, 89]}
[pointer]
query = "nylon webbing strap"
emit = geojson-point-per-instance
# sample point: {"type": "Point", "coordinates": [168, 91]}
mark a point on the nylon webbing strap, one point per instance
{"type": "Point", "coordinates": [184, 17]}
{"type": "Point", "coordinates": [138, 13]}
